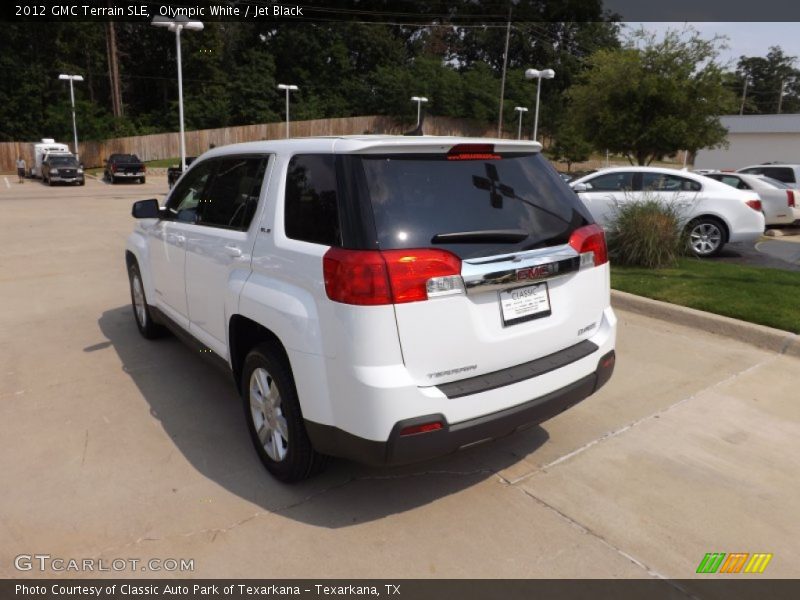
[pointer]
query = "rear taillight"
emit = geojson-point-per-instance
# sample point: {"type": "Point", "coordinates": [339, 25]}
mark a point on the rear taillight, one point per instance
{"type": "Point", "coordinates": [144, 168]}
{"type": "Point", "coordinates": [373, 277]}
{"type": "Point", "coordinates": [590, 239]}
{"type": "Point", "coordinates": [113, 168]}
{"type": "Point", "coordinates": [754, 204]}
{"type": "Point", "coordinates": [790, 202]}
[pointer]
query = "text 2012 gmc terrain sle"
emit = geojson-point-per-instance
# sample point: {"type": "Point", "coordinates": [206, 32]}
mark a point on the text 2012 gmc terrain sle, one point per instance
{"type": "Point", "coordinates": [384, 299]}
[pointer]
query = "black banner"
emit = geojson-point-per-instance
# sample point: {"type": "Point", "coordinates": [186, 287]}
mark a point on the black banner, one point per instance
{"type": "Point", "coordinates": [712, 588]}
{"type": "Point", "coordinates": [399, 11]}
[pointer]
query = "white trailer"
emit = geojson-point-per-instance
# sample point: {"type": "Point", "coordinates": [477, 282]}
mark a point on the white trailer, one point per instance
{"type": "Point", "coordinates": [40, 152]}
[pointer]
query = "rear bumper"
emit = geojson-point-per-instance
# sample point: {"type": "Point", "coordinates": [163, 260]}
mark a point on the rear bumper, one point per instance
{"type": "Point", "coordinates": [403, 449]}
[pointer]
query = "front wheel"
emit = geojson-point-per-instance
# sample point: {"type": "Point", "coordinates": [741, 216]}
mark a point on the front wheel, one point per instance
{"type": "Point", "coordinates": [141, 180]}
{"type": "Point", "coordinates": [273, 416]}
{"type": "Point", "coordinates": [706, 237]}
{"type": "Point", "coordinates": [141, 312]}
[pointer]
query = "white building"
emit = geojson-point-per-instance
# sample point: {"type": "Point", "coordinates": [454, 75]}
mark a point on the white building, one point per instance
{"type": "Point", "coordinates": [754, 139]}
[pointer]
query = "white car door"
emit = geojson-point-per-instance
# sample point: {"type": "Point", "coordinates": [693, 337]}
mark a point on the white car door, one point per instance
{"type": "Point", "coordinates": [167, 245]}
{"type": "Point", "coordinates": [219, 249]}
{"type": "Point", "coordinates": [681, 193]}
{"type": "Point", "coordinates": [605, 192]}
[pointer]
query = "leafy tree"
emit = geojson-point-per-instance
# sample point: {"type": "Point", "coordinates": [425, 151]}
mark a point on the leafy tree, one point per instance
{"type": "Point", "coordinates": [768, 77]}
{"type": "Point", "coordinates": [570, 145]}
{"type": "Point", "coordinates": [652, 98]}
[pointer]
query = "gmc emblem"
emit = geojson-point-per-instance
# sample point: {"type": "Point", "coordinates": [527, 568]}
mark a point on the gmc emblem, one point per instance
{"type": "Point", "coordinates": [537, 272]}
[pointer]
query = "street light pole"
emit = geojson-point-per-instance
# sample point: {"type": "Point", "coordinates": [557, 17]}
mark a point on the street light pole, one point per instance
{"type": "Point", "coordinates": [419, 100]}
{"type": "Point", "coordinates": [520, 110]}
{"type": "Point", "coordinates": [72, 78]}
{"type": "Point", "coordinates": [287, 88]}
{"type": "Point", "coordinates": [177, 25]}
{"type": "Point", "coordinates": [536, 74]}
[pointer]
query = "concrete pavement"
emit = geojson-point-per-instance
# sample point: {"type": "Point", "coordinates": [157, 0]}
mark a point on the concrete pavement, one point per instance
{"type": "Point", "coordinates": [115, 447]}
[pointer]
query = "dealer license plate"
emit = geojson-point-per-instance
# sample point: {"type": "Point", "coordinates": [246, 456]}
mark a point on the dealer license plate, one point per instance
{"type": "Point", "coordinates": [525, 303]}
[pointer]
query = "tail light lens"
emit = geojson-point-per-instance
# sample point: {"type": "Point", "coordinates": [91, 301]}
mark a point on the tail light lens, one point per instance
{"type": "Point", "coordinates": [590, 239]}
{"type": "Point", "coordinates": [144, 168]}
{"type": "Point", "coordinates": [113, 167]}
{"type": "Point", "coordinates": [790, 201]}
{"type": "Point", "coordinates": [374, 277]}
{"type": "Point", "coordinates": [472, 152]}
{"type": "Point", "coordinates": [754, 204]}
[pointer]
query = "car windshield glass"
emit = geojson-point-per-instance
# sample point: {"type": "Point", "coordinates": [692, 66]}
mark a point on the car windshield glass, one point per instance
{"type": "Point", "coordinates": [470, 207]}
{"type": "Point", "coordinates": [62, 162]}
{"type": "Point", "coordinates": [775, 183]}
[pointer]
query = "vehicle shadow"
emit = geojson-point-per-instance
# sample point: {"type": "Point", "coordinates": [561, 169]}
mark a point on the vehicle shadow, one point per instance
{"type": "Point", "coordinates": [199, 409]}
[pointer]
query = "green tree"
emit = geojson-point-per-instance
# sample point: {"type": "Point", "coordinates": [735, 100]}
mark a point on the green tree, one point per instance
{"type": "Point", "coordinates": [570, 145]}
{"type": "Point", "coordinates": [653, 98]}
{"type": "Point", "coordinates": [773, 83]}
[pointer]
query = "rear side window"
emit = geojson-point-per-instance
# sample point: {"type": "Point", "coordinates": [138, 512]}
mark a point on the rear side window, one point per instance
{"type": "Point", "coordinates": [663, 182]}
{"type": "Point", "coordinates": [611, 182]}
{"type": "Point", "coordinates": [470, 207]}
{"type": "Point", "coordinates": [311, 211]}
{"type": "Point", "coordinates": [231, 198]}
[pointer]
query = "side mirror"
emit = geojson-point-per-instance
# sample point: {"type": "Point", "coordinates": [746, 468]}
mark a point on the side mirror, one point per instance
{"type": "Point", "coordinates": [579, 187]}
{"type": "Point", "coordinates": [146, 209]}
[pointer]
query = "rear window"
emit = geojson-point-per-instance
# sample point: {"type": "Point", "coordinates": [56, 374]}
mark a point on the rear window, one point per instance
{"type": "Point", "coordinates": [515, 203]}
{"type": "Point", "coordinates": [784, 174]}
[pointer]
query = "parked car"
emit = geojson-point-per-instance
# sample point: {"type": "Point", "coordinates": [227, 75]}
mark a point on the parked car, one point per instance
{"type": "Point", "coordinates": [778, 200]}
{"type": "Point", "coordinates": [122, 167]}
{"type": "Point", "coordinates": [787, 173]}
{"type": "Point", "coordinates": [62, 168]}
{"type": "Point", "coordinates": [174, 173]}
{"type": "Point", "coordinates": [716, 214]}
{"type": "Point", "coordinates": [381, 298]}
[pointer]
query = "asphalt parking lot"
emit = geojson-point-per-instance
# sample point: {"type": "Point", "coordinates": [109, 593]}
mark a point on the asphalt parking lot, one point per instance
{"type": "Point", "coordinates": [115, 447]}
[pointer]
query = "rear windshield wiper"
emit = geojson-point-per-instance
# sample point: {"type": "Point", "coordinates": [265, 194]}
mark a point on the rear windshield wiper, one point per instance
{"type": "Point", "coordinates": [487, 236]}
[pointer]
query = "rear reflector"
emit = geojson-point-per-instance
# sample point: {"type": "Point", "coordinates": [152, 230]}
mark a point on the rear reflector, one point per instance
{"type": "Point", "coordinates": [790, 201]}
{"type": "Point", "coordinates": [425, 428]}
{"type": "Point", "coordinates": [590, 239]}
{"type": "Point", "coordinates": [472, 152]}
{"type": "Point", "coordinates": [754, 204]}
{"type": "Point", "coordinates": [374, 277]}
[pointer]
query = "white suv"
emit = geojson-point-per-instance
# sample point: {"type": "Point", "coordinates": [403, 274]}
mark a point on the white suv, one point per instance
{"type": "Point", "coordinates": [380, 298]}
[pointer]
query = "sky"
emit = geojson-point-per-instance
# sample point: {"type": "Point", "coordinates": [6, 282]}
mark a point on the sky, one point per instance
{"type": "Point", "coordinates": [748, 39]}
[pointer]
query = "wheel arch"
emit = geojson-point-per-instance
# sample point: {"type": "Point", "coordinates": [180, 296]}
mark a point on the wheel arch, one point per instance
{"type": "Point", "coordinates": [244, 334]}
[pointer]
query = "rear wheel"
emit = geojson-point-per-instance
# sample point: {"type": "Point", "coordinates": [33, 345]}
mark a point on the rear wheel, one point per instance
{"type": "Point", "coordinates": [706, 237]}
{"type": "Point", "coordinates": [274, 418]}
{"type": "Point", "coordinates": [141, 180]}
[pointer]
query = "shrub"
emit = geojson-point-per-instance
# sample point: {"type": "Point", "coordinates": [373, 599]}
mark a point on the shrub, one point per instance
{"type": "Point", "coordinates": [647, 233]}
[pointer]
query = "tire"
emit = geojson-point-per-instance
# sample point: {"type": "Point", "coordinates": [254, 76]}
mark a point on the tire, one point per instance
{"type": "Point", "coordinates": [706, 237]}
{"type": "Point", "coordinates": [82, 182]}
{"type": "Point", "coordinates": [49, 182]}
{"type": "Point", "coordinates": [141, 180]}
{"type": "Point", "coordinates": [141, 312]}
{"type": "Point", "coordinates": [273, 414]}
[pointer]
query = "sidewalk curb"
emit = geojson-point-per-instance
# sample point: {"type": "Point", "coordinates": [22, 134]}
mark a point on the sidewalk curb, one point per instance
{"type": "Point", "coordinates": [776, 340]}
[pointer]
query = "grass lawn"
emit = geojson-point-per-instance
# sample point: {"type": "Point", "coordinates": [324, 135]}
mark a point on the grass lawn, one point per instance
{"type": "Point", "coordinates": [759, 295]}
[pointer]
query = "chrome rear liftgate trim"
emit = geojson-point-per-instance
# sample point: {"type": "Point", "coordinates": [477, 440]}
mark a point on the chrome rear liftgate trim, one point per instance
{"type": "Point", "coordinates": [508, 271]}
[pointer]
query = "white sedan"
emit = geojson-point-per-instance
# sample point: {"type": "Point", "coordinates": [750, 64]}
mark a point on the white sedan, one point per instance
{"type": "Point", "coordinates": [778, 199]}
{"type": "Point", "coordinates": [716, 213]}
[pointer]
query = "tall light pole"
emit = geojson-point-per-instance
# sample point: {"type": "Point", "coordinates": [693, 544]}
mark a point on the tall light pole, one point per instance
{"type": "Point", "coordinates": [419, 100]}
{"type": "Point", "coordinates": [520, 110]}
{"type": "Point", "coordinates": [72, 78]}
{"type": "Point", "coordinates": [177, 25]}
{"type": "Point", "coordinates": [288, 88]}
{"type": "Point", "coordinates": [536, 74]}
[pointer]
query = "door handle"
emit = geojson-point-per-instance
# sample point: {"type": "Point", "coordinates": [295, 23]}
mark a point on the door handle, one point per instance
{"type": "Point", "coordinates": [176, 239]}
{"type": "Point", "coordinates": [234, 251]}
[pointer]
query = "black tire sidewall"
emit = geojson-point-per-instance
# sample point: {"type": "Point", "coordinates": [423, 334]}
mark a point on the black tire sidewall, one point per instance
{"type": "Point", "coordinates": [298, 464]}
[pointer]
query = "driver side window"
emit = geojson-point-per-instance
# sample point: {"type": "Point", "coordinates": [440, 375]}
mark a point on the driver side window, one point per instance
{"type": "Point", "coordinates": [184, 201]}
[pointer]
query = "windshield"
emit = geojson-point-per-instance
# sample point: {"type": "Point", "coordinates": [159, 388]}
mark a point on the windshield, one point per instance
{"type": "Point", "coordinates": [470, 207]}
{"type": "Point", "coordinates": [62, 161]}
{"type": "Point", "coordinates": [775, 183]}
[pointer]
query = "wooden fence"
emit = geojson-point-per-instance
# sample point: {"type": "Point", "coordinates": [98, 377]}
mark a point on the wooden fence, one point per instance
{"type": "Point", "coordinates": [167, 145]}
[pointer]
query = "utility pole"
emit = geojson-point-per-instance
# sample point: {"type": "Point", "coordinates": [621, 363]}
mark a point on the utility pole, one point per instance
{"type": "Point", "coordinates": [780, 98]}
{"type": "Point", "coordinates": [113, 70]}
{"type": "Point", "coordinates": [744, 95]}
{"type": "Point", "coordinates": [503, 79]}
